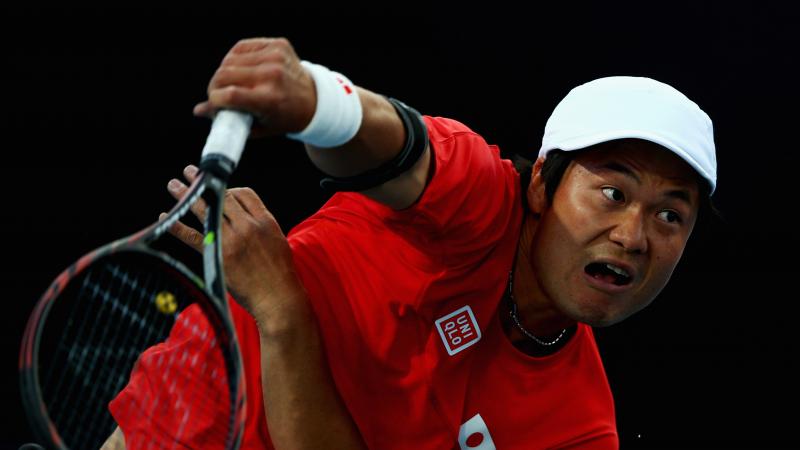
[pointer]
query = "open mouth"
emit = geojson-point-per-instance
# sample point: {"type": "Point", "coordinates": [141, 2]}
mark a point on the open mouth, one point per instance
{"type": "Point", "coordinates": [608, 273]}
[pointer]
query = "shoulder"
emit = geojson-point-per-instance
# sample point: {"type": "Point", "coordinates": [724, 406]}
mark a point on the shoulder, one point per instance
{"type": "Point", "coordinates": [442, 127]}
{"type": "Point", "coordinates": [455, 144]}
{"type": "Point", "coordinates": [442, 130]}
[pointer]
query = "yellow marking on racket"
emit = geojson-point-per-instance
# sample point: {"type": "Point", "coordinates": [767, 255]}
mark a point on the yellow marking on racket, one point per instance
{"type": "Point", "coordinates": [166, 302]}
{"type": "Point", "coordinates": [209, 238]}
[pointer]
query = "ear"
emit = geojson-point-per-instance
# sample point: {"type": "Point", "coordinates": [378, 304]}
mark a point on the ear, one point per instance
{"type": "Point", "coordinates": [537, 200]}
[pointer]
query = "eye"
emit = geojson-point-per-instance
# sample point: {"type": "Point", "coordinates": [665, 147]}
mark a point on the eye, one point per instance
{"type": "Point", "coordinates": [613, 194]}
{"type": "Point", "coordinates": [670, 216]}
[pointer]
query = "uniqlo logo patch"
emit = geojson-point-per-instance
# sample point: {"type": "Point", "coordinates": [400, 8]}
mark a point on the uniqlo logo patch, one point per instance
{"type": "Point", "coordinates": [459, 330]}
{"type": "Point", "coordinates": [474, 435]}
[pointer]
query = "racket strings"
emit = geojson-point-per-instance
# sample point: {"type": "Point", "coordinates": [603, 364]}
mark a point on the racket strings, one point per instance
{"type": "Point", "coordinates": [112, 321]}
{"type": "Point", "coordinates": [72, 364]}
{"type": "Point", "coordinates": [88, 375]}
{"type": "Point", "coordinates": [112, 367]}
{"type": "Point", "coordinates": [194, 390]}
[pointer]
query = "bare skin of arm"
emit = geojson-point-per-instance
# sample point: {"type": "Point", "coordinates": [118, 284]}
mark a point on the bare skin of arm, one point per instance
{"type": "Point", "coordinates": [303, 408]}
{"type": "Point", "coordinates": [264, 77]}
{"type": "Point", "coordinates": [114, 442]}
{"type": "Point", "coordinates": [379, 139]}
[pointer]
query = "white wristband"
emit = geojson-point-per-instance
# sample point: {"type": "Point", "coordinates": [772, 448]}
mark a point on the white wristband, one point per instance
{"type": "Point", "coordinates": [338, 115]}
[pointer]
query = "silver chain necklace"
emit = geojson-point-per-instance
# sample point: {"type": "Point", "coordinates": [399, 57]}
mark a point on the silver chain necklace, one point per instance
{"type": "Point", "coordinates": [512, 306]}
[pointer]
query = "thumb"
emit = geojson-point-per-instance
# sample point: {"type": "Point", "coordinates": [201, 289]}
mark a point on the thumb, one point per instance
{"type": "Point", "coordinates": [203, 109]}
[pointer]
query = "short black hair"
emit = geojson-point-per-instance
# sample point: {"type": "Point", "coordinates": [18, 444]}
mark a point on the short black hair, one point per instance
{"type": "Point", "coordinates": [553, 170]}
{"type": "Point", "coordinates": [557, 162]}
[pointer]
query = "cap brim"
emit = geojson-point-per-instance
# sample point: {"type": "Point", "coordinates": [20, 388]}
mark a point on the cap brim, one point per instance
{"type": "Point", "coordinates": [581, 142]}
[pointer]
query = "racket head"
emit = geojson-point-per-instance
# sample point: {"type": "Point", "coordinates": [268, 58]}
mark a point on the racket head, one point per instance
{"type": "Point", "coordinates": [127, 317]}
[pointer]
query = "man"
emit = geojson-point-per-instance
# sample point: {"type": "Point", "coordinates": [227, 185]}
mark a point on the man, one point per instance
{"type": "Point", "coordinates": [441, 305]}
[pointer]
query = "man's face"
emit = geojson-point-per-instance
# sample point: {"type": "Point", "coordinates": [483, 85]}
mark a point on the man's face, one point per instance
{"type": "Point", "coordinates": [617, 226]}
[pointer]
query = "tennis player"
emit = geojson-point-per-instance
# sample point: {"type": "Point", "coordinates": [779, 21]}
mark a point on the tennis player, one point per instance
{"type": "Point", "coordinates": [440, 299]}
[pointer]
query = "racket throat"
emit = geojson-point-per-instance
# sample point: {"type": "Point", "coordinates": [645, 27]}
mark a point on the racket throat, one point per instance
{"type": "Point", "coordinates": [212, 242]}
{"type": "Point", "coordinates": [218, 165]}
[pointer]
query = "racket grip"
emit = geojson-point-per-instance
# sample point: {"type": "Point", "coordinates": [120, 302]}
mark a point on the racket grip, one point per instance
{"type": "Point", "coordinates": [228, 135]}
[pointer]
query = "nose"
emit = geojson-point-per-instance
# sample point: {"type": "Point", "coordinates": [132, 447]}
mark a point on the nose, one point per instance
{"type": "Point", "coordinates": [629, 232]}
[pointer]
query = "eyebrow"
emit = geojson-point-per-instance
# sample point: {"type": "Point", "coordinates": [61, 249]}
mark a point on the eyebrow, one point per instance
{"type": "Point", "coordinates": [679, 194]}
{"type": "Point", "coordinates": [623, 169]}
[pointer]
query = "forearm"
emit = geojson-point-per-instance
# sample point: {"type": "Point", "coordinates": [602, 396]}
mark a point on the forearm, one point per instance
{"type": "Point", "coordinates": [379, 139]}
{"type": "Point", "coordinates": [264, 76]}
{"type": "Point", "coordinates": [303, 408]}
{"type": "Point", "coordinates": [115, 442]}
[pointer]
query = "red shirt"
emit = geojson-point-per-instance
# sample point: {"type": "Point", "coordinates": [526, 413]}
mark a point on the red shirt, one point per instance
{"type": "Point", "coordinates": [407, 306]}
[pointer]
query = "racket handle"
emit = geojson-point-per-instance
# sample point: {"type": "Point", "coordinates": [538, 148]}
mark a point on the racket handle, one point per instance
{"type": "Point", "coordinates": [228, 135]}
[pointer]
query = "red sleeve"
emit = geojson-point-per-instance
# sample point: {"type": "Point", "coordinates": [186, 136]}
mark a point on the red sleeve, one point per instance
{"type": "Point", "coordinates": [363, 265]}
{"type": "Point", "coordinates": [472, 197]}
{"type": "Point", "coordinates": [177, 393]}
{"type": "Point", "coordinates": [378, 278]}
{"type": "Point", "coordinates": [467, 219]}
{"type": "Point", "coordinates": [469, 204]}
{"type": "Point", "coordinates": [152, 409]}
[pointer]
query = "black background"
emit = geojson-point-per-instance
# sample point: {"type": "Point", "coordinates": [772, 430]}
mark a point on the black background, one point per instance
{"type": "Point", "coordinates": [96, 118]}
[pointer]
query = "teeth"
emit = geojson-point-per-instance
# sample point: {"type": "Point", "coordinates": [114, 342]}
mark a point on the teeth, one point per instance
{"type": "Point", "coordinates": [618, 270]}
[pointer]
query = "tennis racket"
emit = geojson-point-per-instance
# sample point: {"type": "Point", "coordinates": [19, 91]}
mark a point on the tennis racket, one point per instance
{"type": "Point", "coordinates": [131, 331]}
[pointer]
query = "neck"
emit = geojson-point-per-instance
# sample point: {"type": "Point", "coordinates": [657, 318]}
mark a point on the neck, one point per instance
{"type": "Point", "coordinates": [536, 311]}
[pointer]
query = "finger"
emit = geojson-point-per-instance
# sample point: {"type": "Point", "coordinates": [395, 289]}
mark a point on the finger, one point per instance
{"type": "Point", "coordinates": [250, 76]}
{"type": "Point", "coordinates": [252, 100]}
{"type": "Point", "coordinates": [259, 214]}
{"type": "Point", "coordinates": [256, 58]}
{"type": "Point", "coordinates": [236, 216]}
{"type": "Point", "coordinates": [253, 44]}
{"type": "Point", "coordinates": [177, 189]}
{"type": "Point", "coordinates": [233, 76]}
{"type": "Point", "coordinates": [185, 234]}
{"type": "Point", "coordinates": [190, 172]}
{"type": "Point", "coordinates": [206, 109]}
{"type": "Point", "coordinates": [251, 202]}
{"type": "Point", "coordinates": [203, 109]}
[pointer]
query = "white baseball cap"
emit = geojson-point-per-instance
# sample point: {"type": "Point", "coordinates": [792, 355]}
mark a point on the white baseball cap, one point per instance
{"type": "Point", "coordinates": [633, 107]}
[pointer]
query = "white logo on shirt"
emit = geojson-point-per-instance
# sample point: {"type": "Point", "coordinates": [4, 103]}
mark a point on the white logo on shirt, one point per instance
{"type": "Point", "coordinates": [474, 435]}
{"type": "Point", "coordinates": [458, 330]}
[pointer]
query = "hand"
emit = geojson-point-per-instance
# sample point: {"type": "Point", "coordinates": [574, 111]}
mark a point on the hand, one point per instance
{"type": "Point", "coordinates": [258, 263]}
{"type": "Point", "coordinates": [264, 77]}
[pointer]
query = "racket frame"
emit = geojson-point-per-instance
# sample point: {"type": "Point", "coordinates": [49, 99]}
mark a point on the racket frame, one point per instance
{"type": "Point", "coordinates": [210, 184]}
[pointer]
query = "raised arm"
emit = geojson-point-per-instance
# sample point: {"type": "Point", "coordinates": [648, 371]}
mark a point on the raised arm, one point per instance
{"type": "Point", "coordinates": [264, 76]}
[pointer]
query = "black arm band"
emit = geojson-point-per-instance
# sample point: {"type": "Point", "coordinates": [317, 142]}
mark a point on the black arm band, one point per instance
{"type": "Point", "coordinates": [416, 141]}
